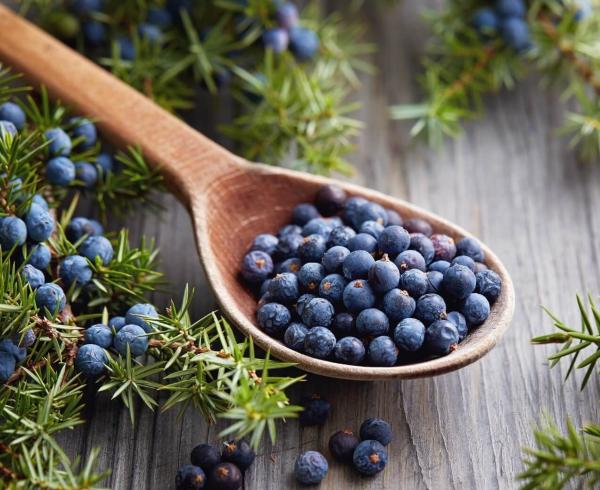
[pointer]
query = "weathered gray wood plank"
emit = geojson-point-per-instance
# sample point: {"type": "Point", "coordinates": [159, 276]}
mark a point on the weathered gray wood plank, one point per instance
{"type": "Point", "coordinates": [512, 181]}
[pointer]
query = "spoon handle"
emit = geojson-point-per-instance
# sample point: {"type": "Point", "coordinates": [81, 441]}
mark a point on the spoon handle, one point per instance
{"type": "Point", "coordinates": [188, 160]}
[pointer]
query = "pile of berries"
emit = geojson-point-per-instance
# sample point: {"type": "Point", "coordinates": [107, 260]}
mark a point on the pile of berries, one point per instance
{"type": "Point", "coordinates": [302, 42]}
{"type": "Point", "coordinates": [122, 333]}
{"type": "Point", "coordinates": [350, 281]}
{"type": "Point", "coordinates": [367, 453]}
{"type": "Point", "coordinates": [507, 18]}
{"type": "Point", "coordinates": [216, 469]}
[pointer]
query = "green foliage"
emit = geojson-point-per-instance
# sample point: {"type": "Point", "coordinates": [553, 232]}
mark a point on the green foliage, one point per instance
{"type": "Point", "coordinates": [461, 67]}
{"type": "Point", "coordinates": [300, 106]}
{"type": "Point", "coordinates": [572, 459]}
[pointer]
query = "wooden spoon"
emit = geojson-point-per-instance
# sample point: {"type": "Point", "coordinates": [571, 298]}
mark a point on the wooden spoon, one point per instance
{"type": "Point", "coordinates": [229, 199]}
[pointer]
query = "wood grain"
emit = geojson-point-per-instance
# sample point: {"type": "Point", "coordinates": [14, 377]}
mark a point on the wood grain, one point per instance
{"type": "Point", "coordinates": [511, 181]}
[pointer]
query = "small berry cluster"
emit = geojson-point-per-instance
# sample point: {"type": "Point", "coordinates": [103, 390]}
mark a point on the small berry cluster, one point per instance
{"type": "Point", "coordinates": [122, 333]}
{"type": "Point", "coordinates": [366, 454]}
{"type": "Point", "coordinates": [350, 281]}
{"type": "Point", "coordinates": [302, 42]}
{"type": "Point", "coordinates": [214, 469]}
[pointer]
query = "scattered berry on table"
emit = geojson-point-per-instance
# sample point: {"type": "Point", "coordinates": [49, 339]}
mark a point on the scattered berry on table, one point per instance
{"type": "Point", "coordinates": [310, 468]}
{"type": "Point", "coordinates": [239, 453]}
{"type": "Point", "coordinates": [225, 476]}
{"type": "Point", "coordinates": [190, 477]}
{"type": "Point", "coordinates": [342, 445]}
{"type": "Point", "coordinates": [370, 457]}
{"type": "Point", "coordinates": [315, 412]}
{"type": "Point", "coordinates": [376, 429]}
{"type": "Point", "coordinates": [206, 456]}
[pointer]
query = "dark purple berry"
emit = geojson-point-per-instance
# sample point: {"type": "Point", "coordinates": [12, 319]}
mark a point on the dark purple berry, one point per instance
{"type": "Point", "coordinates": [418, 225]}
{"type": "Point", "coordinates": [206, 456]}
{"type": "Point", "coordinates": [225, 476]}
{"type": "Point", "coordinates": [444, 247]}
{"type": "Point", "coordinates": [316, 411]}
{"type": "Point", "coordinates": [239, 453]}
{"type": "Point", "coordinates": [330, 199]}
{"type": "Point", "coordinates": [342, 445]}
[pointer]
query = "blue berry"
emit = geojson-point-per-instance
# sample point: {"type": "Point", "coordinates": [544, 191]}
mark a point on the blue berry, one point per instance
{"type": "Point", "coordinates": [382, 351]}
{"type": "Point", "coordinates": [332, 288]}
{"type": "Point", "coordinates": [97, 246]}
{"type": "Point", "coordinates": [13, 231]}
{"type": "Point", "coordinates": [288, 245]}
{"type": "Point", "coordinates": [444, 247]}
{"type": "Point", "coordinates": [135, 315]}
{"type": "Point", "coordinates": [60, 143]}
{"type": "Point", "coordinates": [372, 228]}
{"type": "Point", "coordinates": [303, 301]}
{"type": "Point", "coordinates": [94, 32]}
{"type": "Point", "coordinates": [310, 276]}
{"type": "Point", "coordinates": [476, 309]}
{"type": "Point", "coordinates": [384, 275]}
{"type": "Point", "coordinates": [276, 39]}
{"type": "Point", "coordinates": [160, 17]}
{"type": "Point", "coordinates": [40, 223]}
{"type": "Point", "coordinates": [351, 207]}
{"type": "Point", "coordinates": [459, 281]}
{"type": "Point", "coordinates": [393, 241]}
{"type": "Point", "coordinates": [80, 226]}
{"type": "Point", "coordinates": [441, 337]}
{"type": "Point", "coordinates": [190, 477]}
{"type": "Point", "coordinates": [394, 218]}
{"type": "Point", "coordinates": [84, 130]}
{"type": "Point", "coordinates": [265, 243]}
{"type": "Point", "coordinates": [480, 267]}
{"type": "Point", "coordinates": [349, 350]}
{"type": "Point", "coordinates": [343, 325]}
{"type": "Point", "coordinates": [330, 199]}
{"type": "Point", "coordinates": [132, 336]}
{"type": "Point", "coordinates": [19, 353]}
{"type": "Point", "coordinates": [515, 33]}
{"type": "Point", "coordinates": [370, 211]}
{"type": "Point", "coordinates": [40, 201]}
{"type": "Point", "coordinates": [91, 360]}
{"type": "Point", "coordinates": [206, 456]}
{"type": "Point", "coordinates": [485, 21]}
{"type": "Point", "coordinates": [510, 8]}
{"type": "Point", "coordinates": [318, 313]}
{"type": "Point", "coordinates": [284, 288]}
{"type": "Point", "coordinates": [116, 323]}
{"type": "Point", "coordinates": [319, 342]}
{"type": "Point", "coordinates": [9, 111]}
{"type": "Point", "coordinates": [370, 457]}
{"type": "Point", "coordinates": [376, 429]}
{"type": "Point", "coordinates": [294, 336]}
{"type": "Point", "coordinates": [430, 307]}
{"type": "Point", "coordinates": [312, 248]}
{"type": "Point", "coordinates": [315, 412]}
{"type": "Point", "coordinates": [150, 32]}
{"type": "Point", "coordinates": [439, 266]}
{"type": "Point", "coordinates": [372, 323]}
{"type": "Point", "coordinates": [304, 43]}
{"type": "Point", "coordinates": [292, 265]}
{"type": "Point", "coordinates": [7, 366]}
{"type": "Point", "coordinates": [398, 305]}
{"type": "Point", "coordinates": [310, 468]}
{"type": "Point", "coordinates": [289, 230]}
{"type": "Point", "coordinates": [304, 212]}
{"type": "Point", "coordinates": [422, 244]}
{"type": "Point", "coordinates": [464, 260]}
{"type": "Point", "coordinates": [75, 269]}
{"type": "Point", "coordinates": [100, 335]}
{"type": "Point", "coordinates": [358, 264]}
{"type": "Point", "coordinates": [333, 259]}
{"type": "Point", "coordinates": [358, 296]}
{"type": "Point", "coordinates": [409, 334]}
{"type": "Point", "coordinates": [471, 248]}
{"type": "Point", "coordinates": [86, 173]}
{"type": "Point", "coordinates": [287, 15]}
{"type": "Point", "coordinates": [340, 236]}
{"type": "Point", "coordinates": [264, 288]}
{"type": "Point", "coordinates": [460, 323]}
{"type": "Point", "coordinates": [25, 339]}
{"type": "Point", "coordinates": [434, 279]}
{"type": "Point", "coordinates": [414, 282]}
{"type": "Point", "coordinates": [33, 276]}
{"type": "Point", "coordinates": [225, 476]}
{"type": "Point", "coordinates": [342, 445]}
{"type": "Point", "coordinates": [363, 241]}
{"type": "Point", "coordinates": [273, 318]}
{"type": "Point", "coordinates": [60, 171]}
{"type": "Point", "coordinates": [50, 297]}
{"type": "Point", "coordinates": [126, 48]}
{"type": "Point", "coordinates": [6, 127]}
{"type": "Point", "coordinates": [105, 163]}
{"type": "Point", "coordinates": [239, 453]}
{"type": "Point", "coordinates": [318, 226]}
{"type": "Point", "coordinates": [418, 226]}
{"type": "Point", "coordinates": [489, 284]}
{"type": "Point", "coordinates": [410, 259]}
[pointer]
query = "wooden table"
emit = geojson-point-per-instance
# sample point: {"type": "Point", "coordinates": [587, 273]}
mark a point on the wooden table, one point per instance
{"type": "Point", "coordinates": [512, 181]}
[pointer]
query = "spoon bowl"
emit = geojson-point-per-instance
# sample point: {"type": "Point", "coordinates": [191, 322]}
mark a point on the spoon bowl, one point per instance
{"type": "Point", "coordinates": [229, 199]}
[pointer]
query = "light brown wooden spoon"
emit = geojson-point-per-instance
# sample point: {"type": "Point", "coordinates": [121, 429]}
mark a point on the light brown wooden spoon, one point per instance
{"type": "Point", "coordinates": [229, 199]}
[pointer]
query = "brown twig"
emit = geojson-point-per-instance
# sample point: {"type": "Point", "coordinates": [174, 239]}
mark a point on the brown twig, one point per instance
{"type": "Point", "coordinates": [469, 75]}
{"type": "Point", "coordinates": [186, 347]}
